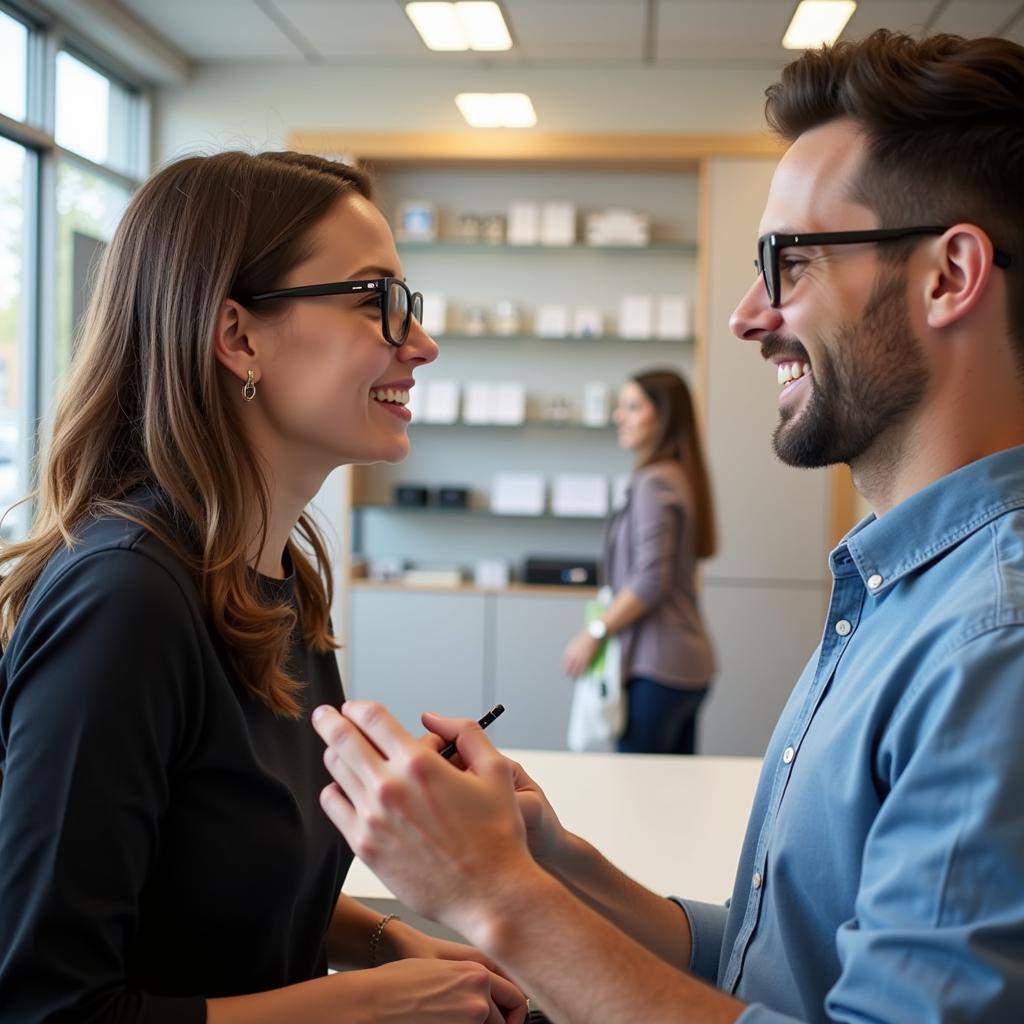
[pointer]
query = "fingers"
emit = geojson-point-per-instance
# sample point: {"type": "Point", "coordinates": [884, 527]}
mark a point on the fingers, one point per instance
{"type": "Point", "coordinates": [339, 809]}
{"type": "Point", "coordinates": [379, 726]}
{"type": "Point", "coordinates": [446, 728]}
{"type": "Point", "coordinates": [509, 999]}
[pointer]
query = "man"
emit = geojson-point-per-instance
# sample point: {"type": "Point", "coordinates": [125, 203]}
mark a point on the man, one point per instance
{"type": "Point", "coordinates": [882, 875]}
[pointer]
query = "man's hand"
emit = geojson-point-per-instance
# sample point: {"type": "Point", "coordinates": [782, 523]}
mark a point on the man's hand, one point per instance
{"type": "Point", "coordinates": [447, 842]}
{"type": "Point", "coordinates": [547, 839]}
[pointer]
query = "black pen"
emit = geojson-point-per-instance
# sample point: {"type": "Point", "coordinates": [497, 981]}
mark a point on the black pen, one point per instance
{"type": "Point", "coordinates": [448, 752]}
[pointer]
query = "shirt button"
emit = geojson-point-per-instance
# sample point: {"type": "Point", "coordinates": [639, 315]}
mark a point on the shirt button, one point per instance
{"type": "Point", "coordinates": [874, 581]}
{"type": "Point", "coordinates": [756, 882]}
{"type": "Point", "coordinates": [787, 755]}
{"type": "Point", "coordinates": [843, 627]}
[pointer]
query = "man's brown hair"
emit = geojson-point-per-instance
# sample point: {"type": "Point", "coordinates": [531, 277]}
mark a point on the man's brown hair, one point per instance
{"type": "Point", "coordinates": [943, 120]}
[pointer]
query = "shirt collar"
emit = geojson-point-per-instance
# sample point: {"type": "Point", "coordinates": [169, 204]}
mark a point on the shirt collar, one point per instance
{"type": "Point", "coordinates": [936, 518]}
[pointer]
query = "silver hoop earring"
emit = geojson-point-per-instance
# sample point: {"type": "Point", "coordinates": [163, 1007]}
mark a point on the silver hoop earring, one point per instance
{"type": "Point", "coordinates": [249, 388]}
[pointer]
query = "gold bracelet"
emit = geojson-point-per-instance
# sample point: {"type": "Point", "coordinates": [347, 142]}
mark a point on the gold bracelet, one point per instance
{"type": "Point", "coordinates": [378, 934]}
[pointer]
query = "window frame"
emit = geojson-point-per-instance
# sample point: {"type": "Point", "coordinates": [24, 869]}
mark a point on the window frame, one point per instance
{"type": "Point", "coordinates": [48, 36]}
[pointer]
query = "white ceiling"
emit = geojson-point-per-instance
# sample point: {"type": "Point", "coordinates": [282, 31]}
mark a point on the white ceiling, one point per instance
{"type": "Point", "coordinates": [546, 32]}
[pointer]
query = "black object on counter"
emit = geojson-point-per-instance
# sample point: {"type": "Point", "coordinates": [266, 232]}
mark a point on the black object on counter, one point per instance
{"type": "Point", "coordinates": [575, 572]}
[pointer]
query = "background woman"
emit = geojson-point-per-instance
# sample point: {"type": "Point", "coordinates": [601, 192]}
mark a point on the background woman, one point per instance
{"type": "Point", "coordinates": [163, 854]}
{"type": "Point", "coordinates": [651, 550]}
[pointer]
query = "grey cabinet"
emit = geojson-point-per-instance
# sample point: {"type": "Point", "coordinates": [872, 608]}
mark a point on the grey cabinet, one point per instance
{"type": "Point", "coordinates": [418, 651]}
{"type": "Point", "coordinates": [458, 653]}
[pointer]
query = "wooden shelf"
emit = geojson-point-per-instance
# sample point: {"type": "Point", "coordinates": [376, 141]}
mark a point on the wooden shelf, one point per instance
{"type": "Point", "coordinates": [515, 589]}
{"type": "Point", "coordinates": [491, 338]}
{"type": "Point", "coordinates": [479, 513]}
{"type": "Point", "coordinates": [463, 246]}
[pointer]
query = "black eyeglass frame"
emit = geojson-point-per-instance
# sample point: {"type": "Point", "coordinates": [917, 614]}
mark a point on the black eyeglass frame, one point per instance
{"type": "Point", "coordinates": [771, 245]}
{"type": "Point", "coordinates": [378, 285]}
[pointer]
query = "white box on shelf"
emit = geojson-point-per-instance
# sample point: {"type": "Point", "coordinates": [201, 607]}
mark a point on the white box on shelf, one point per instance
{"type": "Point", "coordinates": [595, 403]}
{"type": "Point", "coordinates": [617, 227]}
{"type": "Point", "coordinates": [479, 404]}
{"type": "Point", "coordinates": [509, 406]}
{"type": "Point", "coordinates": [433, 578]}
{"type": "Point", "coordinates": [558, 223]}
{"type": "Point", "coordinates": [417, 221]}
{"type": "Point", "coordinates": [587, 322]}
{"type": "Point", "coordinates": [673, 318]}
{"type": "Point", "coordinates": [435, 313]}
{"type": "Point", "coordinates": [552, 321]}
{"type": "Point", "coordinates": [523, 223]}
{"type": "Point", "coordinates": [636, 315]}
{"type": "Point", "coordinates": [517, 494]}
{"type": "Point", "coordinates": [492, 572]}
{"type": "Point", "coordinates": [439, 403]}
{"type": "Point", "coordinates": [579, 494]}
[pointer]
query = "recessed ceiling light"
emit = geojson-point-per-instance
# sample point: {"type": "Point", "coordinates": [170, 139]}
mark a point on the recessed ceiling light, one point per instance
{"type": "Point", "coordinates": [484, 26]}
{"type": "Point", "coordinates": [817, 23]}
{"type": "Point", "coordinates": [497, 109]}
{"type": "Point", "coordinates": [466, 25]}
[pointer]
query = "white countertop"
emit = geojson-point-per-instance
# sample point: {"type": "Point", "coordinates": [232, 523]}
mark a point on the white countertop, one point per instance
{"type": "Point", "coordinates": [673, 823]}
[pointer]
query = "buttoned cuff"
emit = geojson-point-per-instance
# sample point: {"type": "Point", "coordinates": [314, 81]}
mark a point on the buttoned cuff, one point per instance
{"type": "Point", "coordinates": [707, 929]}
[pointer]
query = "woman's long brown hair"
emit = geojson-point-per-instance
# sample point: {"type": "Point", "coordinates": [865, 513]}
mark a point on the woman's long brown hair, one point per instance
{"type": "Point", "coordinates": [678, 440]}
{"type": "Point", "coordinates": [145, 403]}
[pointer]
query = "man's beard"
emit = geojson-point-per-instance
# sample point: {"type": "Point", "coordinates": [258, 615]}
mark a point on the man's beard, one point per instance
{"type": "Point", "coordinates": [867, 381]}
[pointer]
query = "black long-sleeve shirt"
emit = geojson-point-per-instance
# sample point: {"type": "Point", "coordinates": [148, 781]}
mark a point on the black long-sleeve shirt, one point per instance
{"type": "Point", "coordinates": [161, 838]}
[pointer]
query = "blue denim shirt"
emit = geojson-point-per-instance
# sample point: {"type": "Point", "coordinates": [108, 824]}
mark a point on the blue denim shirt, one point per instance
{"type": "Point", "coordinates": [882, 874]}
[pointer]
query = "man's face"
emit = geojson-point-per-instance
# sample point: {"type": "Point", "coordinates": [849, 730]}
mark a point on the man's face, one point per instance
{"type": "Point", "coordinates": [850, 367]}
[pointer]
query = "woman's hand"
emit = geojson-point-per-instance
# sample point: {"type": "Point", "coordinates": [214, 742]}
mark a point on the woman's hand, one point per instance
{"type": "Point", "coordinates": [579, 654]}
{"type": "Point", "coordinates": [401, 941]}
{"type": "Point", "coordinates": [432, 992]}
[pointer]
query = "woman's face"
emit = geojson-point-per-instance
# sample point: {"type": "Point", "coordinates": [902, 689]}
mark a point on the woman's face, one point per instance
{"type": "Point", "coordinates": [636, 418]}
{"type": "Point", "coordinates": [326, 371]}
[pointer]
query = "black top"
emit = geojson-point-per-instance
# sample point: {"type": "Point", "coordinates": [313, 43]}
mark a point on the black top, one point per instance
{"type": "Point", "coordinates": [161, 838]}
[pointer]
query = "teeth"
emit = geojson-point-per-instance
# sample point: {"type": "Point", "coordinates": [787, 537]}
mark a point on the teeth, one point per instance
{"type": "Point", "coordinates": [396, 395]}
{"type": "Point", "coordinates": [792, 371]}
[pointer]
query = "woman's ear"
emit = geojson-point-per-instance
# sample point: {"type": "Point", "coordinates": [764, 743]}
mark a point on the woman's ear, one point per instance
{"type": "Point", "coordinates": [233, 343]}
{"type": "Point", "coordinates": [961, 273]}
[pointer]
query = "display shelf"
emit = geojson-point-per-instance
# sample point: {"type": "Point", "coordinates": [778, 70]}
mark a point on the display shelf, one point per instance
{"type": "Point", "coordinates": [525, 425]}
{"type": "Point", "coordinates": [476, 513]}
{"type": "Point", "coordinates": [521, 589]}
{"type": "Point", "coordinates": [462, 247]}
{"type": "Point", "coordinates": [490, 338]}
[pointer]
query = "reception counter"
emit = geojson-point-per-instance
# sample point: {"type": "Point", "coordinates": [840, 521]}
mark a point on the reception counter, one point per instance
{"type": "Point", "coordinates": [675, 824]}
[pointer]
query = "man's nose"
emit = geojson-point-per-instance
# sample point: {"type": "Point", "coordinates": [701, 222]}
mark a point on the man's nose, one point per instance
{"type": "Point", "coordinates": [753, 315]}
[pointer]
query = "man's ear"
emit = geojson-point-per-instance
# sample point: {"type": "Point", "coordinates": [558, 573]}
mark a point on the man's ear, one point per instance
{"type": "Point", "coordinates": [959, 275]}
{"type": "Point", "coordinates": [233, 344]}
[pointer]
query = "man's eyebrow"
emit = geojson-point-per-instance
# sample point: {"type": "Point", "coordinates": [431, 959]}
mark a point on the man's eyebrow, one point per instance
{"type": "Point", "coordinates": [372, 272]}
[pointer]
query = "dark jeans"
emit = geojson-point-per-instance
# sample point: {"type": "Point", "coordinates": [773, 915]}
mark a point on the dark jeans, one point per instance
{"type": "Point", "coordinates": [662, 719]}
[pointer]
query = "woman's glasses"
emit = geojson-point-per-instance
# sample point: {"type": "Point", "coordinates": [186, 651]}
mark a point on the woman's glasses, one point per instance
{"type": "Point", "coordinates": [398, 305]}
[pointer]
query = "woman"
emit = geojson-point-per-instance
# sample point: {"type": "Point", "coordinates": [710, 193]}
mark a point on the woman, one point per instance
{"type": "Point", "coordinates": [163, 855]}
{"type": "Point", "coordinates": [652, 546]}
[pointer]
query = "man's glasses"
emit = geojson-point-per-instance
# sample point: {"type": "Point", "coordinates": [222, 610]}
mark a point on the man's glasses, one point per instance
{"type": "Point", "coordinates": [769, 248]}
{"type": "Point", "coordinates": [398, 305]}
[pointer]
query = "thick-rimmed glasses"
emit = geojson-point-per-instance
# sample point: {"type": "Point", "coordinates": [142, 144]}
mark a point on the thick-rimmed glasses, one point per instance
{"type": "Point", "coordinates": [397, 304]}
{"type": "Point", "coordinates": [770, 246]}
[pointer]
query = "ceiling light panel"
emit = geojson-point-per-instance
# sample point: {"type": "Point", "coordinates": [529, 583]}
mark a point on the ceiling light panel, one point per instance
{"type": "Point", "coordinates": [497, 109]}
{"type": "Point", "coordinates": [438, 25]}
{"type": "Point", "coordinates": [817, 22]}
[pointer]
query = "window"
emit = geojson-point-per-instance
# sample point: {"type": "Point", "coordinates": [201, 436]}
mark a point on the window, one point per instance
{"type": "Point", "coordinates": [13, 67]}
{"type": "Point", "coordinates": [94, 114]}
{"type": "Point", "coordinates": [88, 209]}
{"type": "Point", "coordinates": [14, 250]}
{"type": "Point", "coordinates": [76, 168]}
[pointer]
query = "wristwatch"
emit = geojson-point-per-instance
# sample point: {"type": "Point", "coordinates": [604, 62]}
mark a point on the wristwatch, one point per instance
{"type": "Point", "coordinates": [597, 628]}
